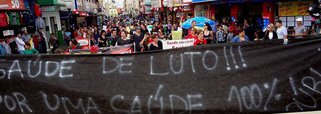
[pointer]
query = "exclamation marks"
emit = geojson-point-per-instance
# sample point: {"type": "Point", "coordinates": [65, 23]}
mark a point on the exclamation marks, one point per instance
{"type": "Point", "coordinates": [228, 68]}
{"type": "Point", "coordinates": [241, 56]}
{"type": "Point", "coordinates": [234, 60]}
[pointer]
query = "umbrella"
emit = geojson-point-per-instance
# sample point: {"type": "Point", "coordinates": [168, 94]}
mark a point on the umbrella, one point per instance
{"type": "Point", "coordinates": [200, 21]}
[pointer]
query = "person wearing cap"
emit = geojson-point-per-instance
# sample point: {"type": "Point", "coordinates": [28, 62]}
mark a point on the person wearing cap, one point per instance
{"type": "Point", "coordinates": [282, 31]}
{"type": "Point", "coordinates": [300, 30]}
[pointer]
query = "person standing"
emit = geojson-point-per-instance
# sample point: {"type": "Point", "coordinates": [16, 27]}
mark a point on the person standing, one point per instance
{"type": "Point", "coordinates": [193, 34]}
{"type": "Point", "coordinates": [270, 33]}
{"type": "Point", "coordinates": [156, 44]}
{"type": "Point", "coordinates": [220, 35]}
{"type": "Point", "coordinates": [123, 39]}
{"type": "Point", "coordinates": [241, 37]}
{"type": "Point", "coordinates": [102, 40]}
{"type": "Point", "coordinates": [208, 33]}
{"type": "Point", "coordinates": [54, 42]}
{"type": "Point", "coordinates": [232, 31]}
{"type": "Point", "coordinates": [20, 44]}
{"type": "Point", "coordinates": [300, 30]}
{"type": "Point", "coordinates": [161, 35]}
{"type": "Point", "coordinates": [200, 39]}
{"type": "Point", "coordinates": [137, 38]}
{"type": "Point", "coordinates": [113, 38]}
{"type": "Point", "coordinates": [282, 31]}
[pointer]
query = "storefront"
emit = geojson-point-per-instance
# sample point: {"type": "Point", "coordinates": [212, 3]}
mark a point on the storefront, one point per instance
{"type": "Point", "coordinates": [13, 17]}
{"type": "Point", "coordinates": [289, 11]}
{"type": "Point", "coordinates": [51, 15]}
{"type": "Point", "coordinates": [204, 8]}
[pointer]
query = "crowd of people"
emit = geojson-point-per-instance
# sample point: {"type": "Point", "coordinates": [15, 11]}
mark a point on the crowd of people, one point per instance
{"type": "Point", "coordinates": [148, 36]}
{"type": "Point", "coordinates": [26, 44]}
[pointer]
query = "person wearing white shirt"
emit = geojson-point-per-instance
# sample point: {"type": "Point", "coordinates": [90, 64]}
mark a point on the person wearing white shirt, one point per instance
{"type": "Point", "coordinates": [20, 44]}
{"type": "Point", "coordinates": [282, 31]}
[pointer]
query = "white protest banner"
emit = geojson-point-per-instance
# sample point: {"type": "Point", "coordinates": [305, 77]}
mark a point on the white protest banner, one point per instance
{"type": "Point", "coordinates": [171, 44]}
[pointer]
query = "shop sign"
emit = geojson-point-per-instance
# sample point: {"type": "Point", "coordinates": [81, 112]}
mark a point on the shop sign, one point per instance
{"type": "Point", "coordinates": [186, 8]}
{"type": "Point", "coordinates": [12, 4]}
{"type": "Point", "coordinates": [176, 3]}
{"type": "Point", "coordinates": [294, 8]}
{"type": "Point", "coordinates": [48, 8]}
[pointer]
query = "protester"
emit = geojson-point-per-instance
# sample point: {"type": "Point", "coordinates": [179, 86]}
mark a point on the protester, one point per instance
{"type": "Point", "coordinates": [147, 40]}
{"type": "Point", "coordinates": [102, 40]}
{"type": "Point", "coordinates": [161, 35]}
{"type": "Point", "coordinates": [156, 44]}
{"type": "Point", "coordinates": [300, 30]}
{"type": "Point", "coordinates": [53, 42]}
{"type": "Point", "coordinates": [220, 35]}
{"type": "Point", "coordinates": [29, 50]}
{"type": "Point", "coordinates": [282, 31]}
{"type": "Point", "coordinates": [270, 33]}
{"type": "Point", "coordinates": [193, 34]}
{"type": "Point", "coordinates": [232, 30]}
{"type": "Point", "coordinates": [25, 36]}
{"type": "Point", "coordinates": [113, 38]}
{"type": "Point", "coordinates": [96, 35]}
{"type": "Point", "coordinates": [123, 40]}
{"type": "Point", "coordinates": [20, 44]}
{"type": "Point", "coordinates": [200, 40]}
{"type": "Point", "coordinates": [208, 33]}
{"type": "Point", "coordinates": [73, 44]}
{"type": "Point", "coordinates": [143, 29]}
{"type": "Point", "coordinates": [137, 38]}
{"type": "Point", "coordinates": [241, 37]}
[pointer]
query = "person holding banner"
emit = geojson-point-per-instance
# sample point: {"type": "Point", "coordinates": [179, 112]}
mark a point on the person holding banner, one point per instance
{"type": "Point", "coordinates": [138, 38]}
{"type": "Point", "coordinates": [73, 44]}
{"type": "Point", "coordinates": [123, 39]}
{"type": "Point", "coordinates": [102, 40]}
{"type": "Point", "coordinates": [156, 44]}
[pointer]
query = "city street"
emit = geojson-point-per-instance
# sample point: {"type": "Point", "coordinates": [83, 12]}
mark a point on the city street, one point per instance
{"type": "Point", "coordinates": [160, 56]}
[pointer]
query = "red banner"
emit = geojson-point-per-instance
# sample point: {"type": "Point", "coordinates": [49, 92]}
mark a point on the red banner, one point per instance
{"type": "Point", "coordinates": [12, 4]}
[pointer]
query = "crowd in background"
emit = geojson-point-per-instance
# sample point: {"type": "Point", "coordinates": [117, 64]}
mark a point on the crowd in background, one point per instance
{"type": "Point", "coordinates": [149, 36]}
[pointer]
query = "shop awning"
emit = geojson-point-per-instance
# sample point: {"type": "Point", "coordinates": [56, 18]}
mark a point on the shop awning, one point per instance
{"type": "Point", "coordinates": [49, 3]}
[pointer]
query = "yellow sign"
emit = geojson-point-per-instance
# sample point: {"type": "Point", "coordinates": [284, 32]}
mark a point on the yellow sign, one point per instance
{"type": "Point", "coordinates": [177, 35]}
{"type": "Point", "coordinates": [294, 8]}
{"type": "Point", "coordinates": [176, 2]}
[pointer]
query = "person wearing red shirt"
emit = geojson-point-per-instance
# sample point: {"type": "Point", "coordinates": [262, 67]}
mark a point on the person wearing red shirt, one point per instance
{"type": "Point", "coordinates": [200, 39]}
{"type": "Point", "coordinates": [192, 34]}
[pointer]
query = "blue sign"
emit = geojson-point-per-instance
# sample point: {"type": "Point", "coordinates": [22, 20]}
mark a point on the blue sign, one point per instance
{"type": "Point", "coordinates": [198, 1]}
